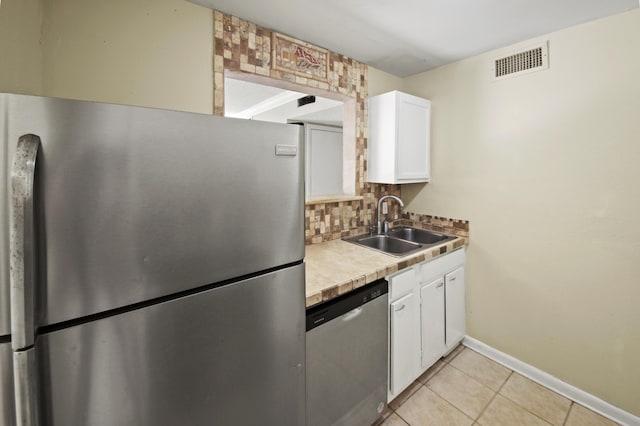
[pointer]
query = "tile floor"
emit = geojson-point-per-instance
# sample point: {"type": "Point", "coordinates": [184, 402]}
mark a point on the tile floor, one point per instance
{"type": "Point", "coordinates": [466, 388]}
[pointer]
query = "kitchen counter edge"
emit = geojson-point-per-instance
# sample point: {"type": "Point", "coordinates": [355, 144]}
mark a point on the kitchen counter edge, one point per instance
{"type": "Point", "coordinates": [336, 267]}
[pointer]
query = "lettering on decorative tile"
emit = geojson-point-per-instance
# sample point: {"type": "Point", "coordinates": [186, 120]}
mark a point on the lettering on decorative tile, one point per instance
{"type": "Point", "coordinates": [299, 58]}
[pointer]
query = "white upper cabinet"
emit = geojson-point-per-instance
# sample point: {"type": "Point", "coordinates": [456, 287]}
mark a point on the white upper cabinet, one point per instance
{"type": "Point", "coordinates": [398, 139]}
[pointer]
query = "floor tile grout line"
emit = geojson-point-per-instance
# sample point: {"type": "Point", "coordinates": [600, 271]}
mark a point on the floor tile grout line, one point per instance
{"type": "Point", "coordinates": [432, 390]}
{"type": "Point", "coordinates": [409, 396]}
{"type": "Point", "coordinates": [505, 381]}
{"type": "Point", "coordinates": [478, 382]}
{"type": "Point", "coordinates": [402, 418]}
{"type": "Point", "coordinates": [429, 379]}
{"type": "Point", "coordinates": [403, 402]}
{"type": "Point", "coordinates": [566, 417]}
{"type": "Point", "coordinates": [456, 351]}
{"type": "Point", "coordinates": [451, 403]}
{"type": "Point", "coordinates": [485, 407]}
{"type": "Point", "coordinates": [524, 408]}
{"type": "Point", "coordinates": [494, 397]}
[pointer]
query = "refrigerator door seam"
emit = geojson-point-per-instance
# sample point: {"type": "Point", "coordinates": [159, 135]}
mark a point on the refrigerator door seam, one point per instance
{"type": "Point", "coordinates": [50, 328]}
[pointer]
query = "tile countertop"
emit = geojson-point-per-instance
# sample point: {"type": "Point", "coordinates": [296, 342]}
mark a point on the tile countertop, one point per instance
{"type": "Point", "coordinates": [337, 267]}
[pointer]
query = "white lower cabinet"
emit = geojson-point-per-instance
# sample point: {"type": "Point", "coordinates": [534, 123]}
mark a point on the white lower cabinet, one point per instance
{"type": "Point", "coordinates": [432, 323]}
{"type": "Point", "coordinates": [426, 317]}
{"type": "Point", "coordinates": [405, 342]}
{"type": "Point", "coordinates": [455, 307]}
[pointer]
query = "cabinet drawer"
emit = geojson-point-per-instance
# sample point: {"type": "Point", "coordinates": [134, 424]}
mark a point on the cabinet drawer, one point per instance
{"type": "Point", "coordinates": [402, 283]}
{"type": "Point", "coordinates": [432, 269]}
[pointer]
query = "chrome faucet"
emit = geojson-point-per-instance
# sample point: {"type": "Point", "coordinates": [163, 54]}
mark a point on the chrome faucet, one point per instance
{"type": "Point", "coordinates": [384, 227]}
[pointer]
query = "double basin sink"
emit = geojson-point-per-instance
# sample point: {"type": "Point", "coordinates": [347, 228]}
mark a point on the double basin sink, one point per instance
{"type": "Point", "coordinates": [401, 241]}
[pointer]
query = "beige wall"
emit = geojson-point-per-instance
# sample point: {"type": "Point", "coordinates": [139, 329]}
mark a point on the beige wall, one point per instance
{"type": "Point", "coordinates": [155, 53]}
{"type": "Point", "coordinates": [382, 82]}
{"type": "Point", "coordinates": [20, 48]}
{"type": "Point", "coordinates": [546, 167]}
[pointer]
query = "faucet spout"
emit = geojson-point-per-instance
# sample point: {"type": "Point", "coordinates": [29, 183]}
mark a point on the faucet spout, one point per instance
{"type": "Point", "coordinates": [380, 228]}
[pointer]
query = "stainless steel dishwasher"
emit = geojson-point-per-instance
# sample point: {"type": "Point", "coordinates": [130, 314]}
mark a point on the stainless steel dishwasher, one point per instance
{"type": "Point", "coordinates": [347, 353]}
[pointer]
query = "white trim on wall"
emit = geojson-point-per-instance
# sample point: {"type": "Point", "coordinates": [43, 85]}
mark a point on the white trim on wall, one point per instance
{"type": "Point", "coordinates": [547, 380]}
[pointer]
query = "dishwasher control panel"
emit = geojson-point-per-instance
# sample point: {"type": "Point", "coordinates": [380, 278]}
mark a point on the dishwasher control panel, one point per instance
{"type": "Point", "coordinates": [320, 314]}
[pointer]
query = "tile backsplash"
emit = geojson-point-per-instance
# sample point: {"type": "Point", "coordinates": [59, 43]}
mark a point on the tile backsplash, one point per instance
{"type": "Point", "coordinates": [457, 227]}
{"type": "Point", "coordinates": [334, 220]}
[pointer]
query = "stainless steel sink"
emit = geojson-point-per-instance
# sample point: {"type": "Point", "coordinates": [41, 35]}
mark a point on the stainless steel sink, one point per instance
{"type": "Point", "coordinates": [387, 244]}
{"type": "Point", "coordinates": [401, 241]}
{"type": "Point", "coordinates": [421, 236]}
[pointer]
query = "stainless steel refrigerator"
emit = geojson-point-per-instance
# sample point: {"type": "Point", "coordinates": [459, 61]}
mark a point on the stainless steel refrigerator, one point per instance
{"type": "Point", "coordinates": [152, 267]}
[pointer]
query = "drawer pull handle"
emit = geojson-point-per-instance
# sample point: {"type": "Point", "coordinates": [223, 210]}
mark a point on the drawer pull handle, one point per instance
{"type": "Point", "coordinates": [439, 285]}
{"type": "Point", "coordinates": [400, 308]}
{"type": "Point", "coordinates": [452, 279]}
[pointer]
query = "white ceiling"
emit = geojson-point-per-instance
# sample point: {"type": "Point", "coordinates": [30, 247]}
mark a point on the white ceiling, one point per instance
{"type": "Point", "coordinates": [405, 37]}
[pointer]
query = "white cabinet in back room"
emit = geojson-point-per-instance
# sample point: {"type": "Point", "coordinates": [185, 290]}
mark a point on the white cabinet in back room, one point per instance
{"type": "Point", "coordinates": [398, 139]}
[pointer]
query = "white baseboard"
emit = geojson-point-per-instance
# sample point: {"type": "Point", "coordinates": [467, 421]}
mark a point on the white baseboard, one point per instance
{"type": "Point", "coordinates": [547, 380]}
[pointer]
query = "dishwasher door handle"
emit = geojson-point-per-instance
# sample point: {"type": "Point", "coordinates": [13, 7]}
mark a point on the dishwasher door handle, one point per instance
{"type": "Point", "coordinates": [352, 314]}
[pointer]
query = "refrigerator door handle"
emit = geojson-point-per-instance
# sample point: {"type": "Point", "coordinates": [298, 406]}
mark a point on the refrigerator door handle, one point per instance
{"type": "Point", "coordinates": [22, 243]}
{"type": "Point", "coordinates": [25, 387]}
{"type": "Point", "coordinates": [22, 280]}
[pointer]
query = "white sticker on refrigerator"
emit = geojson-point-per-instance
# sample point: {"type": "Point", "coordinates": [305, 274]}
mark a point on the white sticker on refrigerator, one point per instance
{"type": "Point", "coordinates": [282, 149]}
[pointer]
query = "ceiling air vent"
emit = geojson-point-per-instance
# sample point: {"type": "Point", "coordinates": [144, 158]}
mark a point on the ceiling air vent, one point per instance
{"type": "Point", "coordinates": [533, 59]}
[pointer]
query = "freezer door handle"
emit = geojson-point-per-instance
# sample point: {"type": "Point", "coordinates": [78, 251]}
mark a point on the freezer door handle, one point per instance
{"type": "Point", "coordinates": [25, 387]}
{"type": "Point", "coordinates": [22, 243]}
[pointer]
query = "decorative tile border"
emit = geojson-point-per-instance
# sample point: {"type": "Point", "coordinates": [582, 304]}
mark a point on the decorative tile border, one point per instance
{"type": "Point", "coordinates": [242, 46]}
{"type": "Point", "coordinates": [300, 58]}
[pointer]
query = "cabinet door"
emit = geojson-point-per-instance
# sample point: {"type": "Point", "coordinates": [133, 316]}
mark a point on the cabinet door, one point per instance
{"type": "Point", "coordinates": [413, 138]}
{"type": "Point", "coordinates": [455, 307]}
{"type": "Point", "coordinates": [432, 321]}
{"type": "Point", "coordinates": [193, 361]}
{"type": "Point", "coordinates": [404, 343]}
{"type": "Point", "coordinates": [323, 151]}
